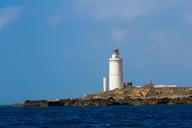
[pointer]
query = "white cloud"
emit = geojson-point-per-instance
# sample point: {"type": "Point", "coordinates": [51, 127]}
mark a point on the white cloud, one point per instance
{"type": "Point", "coordinates": [118, 35]}
{"type": "Point", "coordinates": [188, 18]}
{"type": "Point", "coordinates": [126, 19]}
{"type": "Point", "coordinates": [167, 42]}
{"type": "Point", "coordinates": [55, 20]}
{"type": "Point", "coordinates": [8, 15]}
{"type": "Point", "coordinates": [118, 9]}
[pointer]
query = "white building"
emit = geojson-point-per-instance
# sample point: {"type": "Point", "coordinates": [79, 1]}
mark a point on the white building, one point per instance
{"type": "Point", "coordinates": [163, 85]}
{"type": "Point", "coordinates": [115, 70]}
{"type": "Point", "coordinates": [105, 86]}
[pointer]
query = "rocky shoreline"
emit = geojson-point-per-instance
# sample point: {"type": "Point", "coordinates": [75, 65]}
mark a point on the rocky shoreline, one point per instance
{"type": "Point", "coordinates": [108, 102]}
{"type": "Point", "coordinates": [124, 96]}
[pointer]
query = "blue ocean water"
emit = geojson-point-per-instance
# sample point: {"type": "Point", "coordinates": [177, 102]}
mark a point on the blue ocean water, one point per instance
{"type": "Point", "coordinates": [146, 116]}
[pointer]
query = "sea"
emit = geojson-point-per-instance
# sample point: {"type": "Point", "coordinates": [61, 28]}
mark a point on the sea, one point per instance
{"type": "Point", "coordinates": [130, 116]}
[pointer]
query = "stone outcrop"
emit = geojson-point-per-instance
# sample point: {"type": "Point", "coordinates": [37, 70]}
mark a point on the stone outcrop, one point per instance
{"type": "Point", "coordinates": [125, 96]}
{"type": "Point", "coordinates": [36, 103]}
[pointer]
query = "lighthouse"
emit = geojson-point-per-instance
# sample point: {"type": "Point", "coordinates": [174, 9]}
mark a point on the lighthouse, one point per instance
{"type": "Point", "coordinates": [115, 70]}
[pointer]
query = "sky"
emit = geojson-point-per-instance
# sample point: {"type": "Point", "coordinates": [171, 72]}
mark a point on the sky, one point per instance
{"type": "Point", "coordinates": [52, 49]}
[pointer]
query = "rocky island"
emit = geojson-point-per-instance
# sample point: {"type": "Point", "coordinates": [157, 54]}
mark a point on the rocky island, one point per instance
{"type": "Point", "coordinates": [126, 96]}
{"type": "Point", "coordinates": [118, 92]}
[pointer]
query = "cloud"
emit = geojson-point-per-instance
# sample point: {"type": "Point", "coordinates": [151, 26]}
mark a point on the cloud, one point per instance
{"type": "Point", "coordinates": [188, 18]}
{"type": "Point", "coordinates": [118, 35]}
{"type": "Point", "coordinates": [8, 15]}
{"type": "Point", "coordinates": [55, 20]}
{"type": "Point", "coordinates": [166, 42]}
{"type": "Point", "coordinates": [118, 9]}
{"type": "Point", "coordinates": [137, 23]}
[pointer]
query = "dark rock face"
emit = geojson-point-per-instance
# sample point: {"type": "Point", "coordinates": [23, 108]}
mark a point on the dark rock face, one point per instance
{"type": "Point", "coordinates": [125, 96]}
{"type": "Point", "coordinates": [83, 102]}
{"type": "Point", "coordinates": [108, 102]}
{"type": "Point", "coordinates": [36, 103]}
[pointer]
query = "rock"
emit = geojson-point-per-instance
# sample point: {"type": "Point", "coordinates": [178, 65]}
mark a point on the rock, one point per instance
{"type": "Point", "coordinates": [36, 103]}
{"type": "Point", "coordinates": [125, 96]}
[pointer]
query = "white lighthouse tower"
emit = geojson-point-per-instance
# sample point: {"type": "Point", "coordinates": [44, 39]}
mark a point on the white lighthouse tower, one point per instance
{"type": "Point", "coordinates": [115, 70]}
